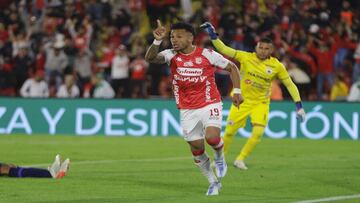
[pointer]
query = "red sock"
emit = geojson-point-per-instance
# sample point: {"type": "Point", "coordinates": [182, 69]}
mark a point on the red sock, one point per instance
{"type": "Point", "coordinates": [215, 142]}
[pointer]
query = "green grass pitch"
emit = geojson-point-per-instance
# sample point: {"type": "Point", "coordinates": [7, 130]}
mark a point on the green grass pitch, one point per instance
{"type": "Point", "coordinates": [158, 169]}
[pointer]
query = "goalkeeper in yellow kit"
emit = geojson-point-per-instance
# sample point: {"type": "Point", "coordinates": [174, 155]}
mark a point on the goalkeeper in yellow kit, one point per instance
{"type": "Point", "coordinates": [257, 69]}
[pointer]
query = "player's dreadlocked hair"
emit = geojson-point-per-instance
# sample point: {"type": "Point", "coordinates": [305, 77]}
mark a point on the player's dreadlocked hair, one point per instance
{"type": "Point", "coordinates": [182, 25]}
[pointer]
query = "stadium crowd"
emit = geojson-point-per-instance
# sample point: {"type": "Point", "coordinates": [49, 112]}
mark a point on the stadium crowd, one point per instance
{"type": "Point", "coordinates": [96, 48]}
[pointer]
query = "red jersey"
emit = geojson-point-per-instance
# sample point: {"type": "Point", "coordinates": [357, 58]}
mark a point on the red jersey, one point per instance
{"type": "Point", "coordinates": [138, 67]}
{"type": "Point", "coordinates": [193, 76]}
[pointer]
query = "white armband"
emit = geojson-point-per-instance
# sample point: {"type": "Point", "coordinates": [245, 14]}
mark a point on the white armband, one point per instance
{"type": "Point", "coordinates": [157, 42]}
{"type": "Point", "coordinates": [237, 91]}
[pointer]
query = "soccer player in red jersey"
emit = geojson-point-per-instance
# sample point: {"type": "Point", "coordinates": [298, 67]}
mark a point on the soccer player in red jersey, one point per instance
{"type": "Point", "coordinates": [196, 95]}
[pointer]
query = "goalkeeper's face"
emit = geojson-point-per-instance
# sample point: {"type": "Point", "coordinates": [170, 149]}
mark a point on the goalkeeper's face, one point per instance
{"type": "Point", "coordinates": [264, 50]}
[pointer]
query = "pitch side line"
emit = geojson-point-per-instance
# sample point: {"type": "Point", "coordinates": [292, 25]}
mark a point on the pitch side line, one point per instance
{"type": "Point", "coordinates": [117, 161]}
{"type": "Point", "coordinates": [329, 199]}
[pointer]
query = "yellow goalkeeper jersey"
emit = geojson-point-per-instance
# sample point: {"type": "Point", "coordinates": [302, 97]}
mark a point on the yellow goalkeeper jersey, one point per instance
{"type": "Point", "coordinates": [256, 75]}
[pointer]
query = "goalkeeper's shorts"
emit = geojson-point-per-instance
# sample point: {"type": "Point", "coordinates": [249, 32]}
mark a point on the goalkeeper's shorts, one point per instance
{"type": "Point", "coordinates": [238, 116]}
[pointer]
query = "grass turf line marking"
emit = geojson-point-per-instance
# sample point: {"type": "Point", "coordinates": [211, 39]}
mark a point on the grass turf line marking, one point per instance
{"type": "Point", "coordinates": [117, 161]}
{"type": "Point", "coordinates": [329, 199]}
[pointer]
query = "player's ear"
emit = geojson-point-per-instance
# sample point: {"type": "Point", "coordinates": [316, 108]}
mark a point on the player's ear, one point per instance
{"type": "Point", "coordinates": [191, 38]}
{"type": "Point", "coordinates": [272, 48]}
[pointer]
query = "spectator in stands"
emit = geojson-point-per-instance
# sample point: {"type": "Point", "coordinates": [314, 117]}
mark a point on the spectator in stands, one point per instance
{"type": "Point", "coordinates": [120, 72]}
{"type": "Point", "coordinates": [101, 26]}
{"type": "Point", "coordinates": [303, 56]}
{"type": "Point", "coordinates": [339, 91]}
{"type": "Point", "coordinates": [100, 87]}
{"type": "Point", "coordinates": [356, 67]}
{"type": "Point", "coordinates": [22, 65]}
{"type": "Point", "coordinates": [83, 67]}
{"type": "Point", "coordinates": [35, 86]}
{"type": "Point", "coordinates": [83, 36]}
{"type": "Point", "coordinates": [6, 78]}
{"type": "Point", "coordinates": [299, 77]}
{"type": "Point", "coordinates": [138, 76]}
{"type": "Point", "coordinates": [4, 34]}
{"type": "Point", "coordinates": [68, 89]}
{"type": "Point", "coordinates": [354, 95]}
{"type": "Point", "coordinates": [324, 55]}
{"type": "Point", "coordinates": [19, 40]}
{"type": "Point", "coordinates": [56, 61]}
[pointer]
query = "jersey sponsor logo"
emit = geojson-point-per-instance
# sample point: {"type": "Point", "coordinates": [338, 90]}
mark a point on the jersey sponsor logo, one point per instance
{"type": "Point", "coordinates": [198, 60]}
{"type": "Point", "coordinates": [259, 76]}
{"type": "Point", "coordinates": [189, 71]}
{"type": "Point", "coordinates": [188, 64]}
{"type": "Point", "coordinates": [258, 85]}
{"type": "Point", "coordinates": [247, 81]}
{"type": "Point", "coordinates": [190, 79]}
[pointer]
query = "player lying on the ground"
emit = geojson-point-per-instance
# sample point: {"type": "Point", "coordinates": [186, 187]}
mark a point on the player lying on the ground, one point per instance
{"type": "Point", "coordinates": [57, 170]}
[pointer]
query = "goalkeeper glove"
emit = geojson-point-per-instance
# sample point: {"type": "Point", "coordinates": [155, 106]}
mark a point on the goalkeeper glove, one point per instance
{"type": "Point", "coordinates": [210, 30]}
{"type": "Point", "coordinates": [300, 112]}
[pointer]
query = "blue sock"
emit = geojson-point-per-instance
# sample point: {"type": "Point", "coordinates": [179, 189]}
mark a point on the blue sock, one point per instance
{"type": "Point", "coordinates": [21, 172]}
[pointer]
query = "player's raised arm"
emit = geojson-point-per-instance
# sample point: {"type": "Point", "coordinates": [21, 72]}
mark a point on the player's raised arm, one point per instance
{"type": "Point", "coordinates": [218, 44]}
{"type": "Point", "coordinates": [235, 78]}
{"type": "Point", "coordinates": [152, 54]}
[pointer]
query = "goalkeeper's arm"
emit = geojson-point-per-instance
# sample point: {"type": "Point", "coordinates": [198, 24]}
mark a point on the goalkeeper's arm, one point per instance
{"type": "Point", "coordinates": [294, 92]}
{"type": "Point", "coordinates": [222, 48]}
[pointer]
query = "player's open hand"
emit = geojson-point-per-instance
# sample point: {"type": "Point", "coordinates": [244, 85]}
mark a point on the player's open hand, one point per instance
{"type": "Point", "coordinates": [237, 99]}
{"type": "Point", "coordinates": [160, 32]}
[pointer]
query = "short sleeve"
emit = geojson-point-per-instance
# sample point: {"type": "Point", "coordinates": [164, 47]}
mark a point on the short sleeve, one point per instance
{"type": "Point", "coordinates": [215, 58]}
{"type": "Point", "coordinates": [168, 55]}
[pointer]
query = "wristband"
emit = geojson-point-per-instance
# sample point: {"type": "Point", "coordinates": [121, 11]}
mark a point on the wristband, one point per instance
{"type": "Point", "coordinates": [157, 42]}
{"type": "Point", "coordinates": [237, 91]}
{"type": "Point", "coordinates": [298, 105]}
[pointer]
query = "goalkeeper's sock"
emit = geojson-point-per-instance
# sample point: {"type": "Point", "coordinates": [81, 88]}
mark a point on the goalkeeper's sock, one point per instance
{"type": "Point", "coordinates": [251, 143]}
{"type": "Point", "coordinates": [228, 137]}
{"type": "Point", "coordinates": [203, 162]}
{"type": "Point", "coordinates": [218, 145]}
{"type": "Point", "coordinates": [21, 172]}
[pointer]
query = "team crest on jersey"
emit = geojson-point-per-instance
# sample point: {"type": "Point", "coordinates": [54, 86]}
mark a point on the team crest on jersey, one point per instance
{"type": "Point", "coordinates": [269, 70]}
{"type": "Point", "coordinates": [230, 122]}
{"type": "Point", "coordinates": [198, 60]}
